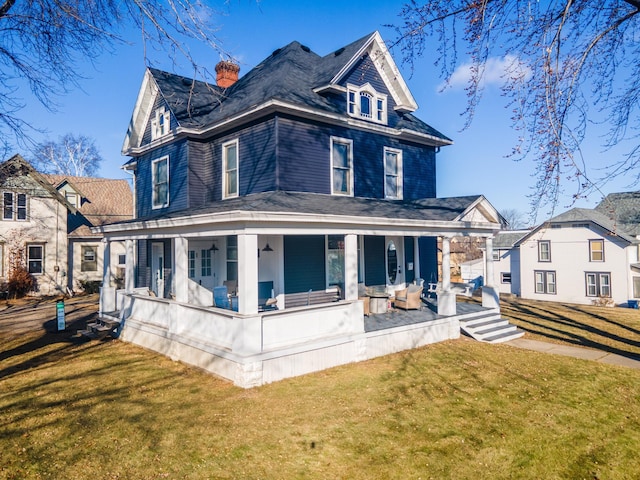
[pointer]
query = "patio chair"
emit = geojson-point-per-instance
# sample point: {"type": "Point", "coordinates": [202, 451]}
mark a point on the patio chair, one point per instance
{"type": "Point", "coordinates": [409, 298]}
{"type": "Point", "coordinates": [221, 297]}
{"type": "Point", "coordinates": [266, 297]}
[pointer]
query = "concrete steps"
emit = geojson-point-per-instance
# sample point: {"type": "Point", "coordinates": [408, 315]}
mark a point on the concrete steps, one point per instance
{"type": "Point", "coordinates": [100, 328]}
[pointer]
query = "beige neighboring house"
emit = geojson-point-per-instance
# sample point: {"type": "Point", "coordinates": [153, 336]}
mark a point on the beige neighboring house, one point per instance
{"type": "Point", "coordinates": [47, 219]}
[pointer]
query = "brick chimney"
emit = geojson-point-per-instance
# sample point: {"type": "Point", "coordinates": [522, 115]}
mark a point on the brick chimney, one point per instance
{"type": "Point", "coordinates": [226, 73]}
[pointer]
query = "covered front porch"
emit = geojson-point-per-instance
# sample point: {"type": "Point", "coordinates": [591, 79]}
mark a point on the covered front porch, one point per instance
{"type": "Point", "coordinates": [177, 266]}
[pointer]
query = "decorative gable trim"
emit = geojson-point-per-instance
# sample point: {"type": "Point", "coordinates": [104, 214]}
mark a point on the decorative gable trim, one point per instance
{"type": "Point", "coordinates": [387, 68]}
{"type": "Point", "coordinates": [142, 112]}
{"type": "Point", "coordinates": [481, 211]}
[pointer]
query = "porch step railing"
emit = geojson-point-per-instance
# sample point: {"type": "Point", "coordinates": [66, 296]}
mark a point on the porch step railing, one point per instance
{"type": "Point", "coordinates": [490, 328]}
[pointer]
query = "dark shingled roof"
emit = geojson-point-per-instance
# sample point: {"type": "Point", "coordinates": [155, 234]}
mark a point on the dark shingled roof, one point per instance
{"type": "Point", "coordinates": [290, 74]}
{"type": "Point", "coordinates": [507, 239]}
{"type": "Point", "coordinates": [427, 209]}
{"type": "Point", "coordinates": [622, 209]}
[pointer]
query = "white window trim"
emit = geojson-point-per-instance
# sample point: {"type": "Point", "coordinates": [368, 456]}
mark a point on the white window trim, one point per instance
{"type": "Point", "coordinates": [13, 206]}
{"type": "Point", "coordinates": [41, 245]}
{"type": "Point", "coordinates": [598, 284]}
{"type": "Point", "coordinates": [400, 176]}
{"type": "Point", "coordinates": [163, 113]}
{"type": "Point", "coordinates": [225, 146]}
{"type": "Point", "coordinates": [155, 205]}
{"type": "Point", "coordinates": [592, 250]}
{"type": "Point", "coordinates": [350, 159]}
{"type": "Point", "coordinates": [353, 108]}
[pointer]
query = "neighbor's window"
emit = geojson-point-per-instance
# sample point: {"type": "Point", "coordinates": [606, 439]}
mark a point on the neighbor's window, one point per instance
{"type": "Point", "coordinates": [205, 263]}
{"type": "Point", "coordinates": [72, 198]}
{"type": "Point", "coordinates": [14, 206]}
{"type": "Point", "coordinates": [365, 102]}
{"type": "Point", "coordinates": [392, 173]}
{"type": "Point", "coordinates": [505, 277]}
{"type": "Point", "coordinates": [160, 176]}
{"type": "Point", "coordinates": [544, 251]}
{"type": "Point", "coordinates": [89, 261]}
{"type": "Point", "coordinates": [1, 260]}
{"type": "Point", "coordinates": [160, 125]}
{"type": "Point", "coordinates": [636, 287]}
{"type": "Point", "coordinates": [230, 169]}
{"type": "Point", "coordinates": [35, 259]}
{"type": "Point", "coordinates": [545, 282]}
{"type": "Point", "coordinates": [598, 284]}
{"type": "Point", "coordinates": [7, 206]}
{"type": "Point", "coordinates": [341, 166]}
{"type": "Point", "coordinates": [596, 250]}
{"type": "Point", "coordinates": [122, 259]}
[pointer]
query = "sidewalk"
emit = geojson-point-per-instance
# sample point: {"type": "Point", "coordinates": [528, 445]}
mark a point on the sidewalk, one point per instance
{"type": "Point", "coordinates": [577, 352]}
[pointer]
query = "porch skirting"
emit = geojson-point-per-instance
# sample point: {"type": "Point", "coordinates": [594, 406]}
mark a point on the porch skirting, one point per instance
{"type": "Point", "coordinates": [270, 346]}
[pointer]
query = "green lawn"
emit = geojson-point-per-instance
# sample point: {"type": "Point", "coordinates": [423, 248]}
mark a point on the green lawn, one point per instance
{"type": "Point", "coordinates": [459, 409]}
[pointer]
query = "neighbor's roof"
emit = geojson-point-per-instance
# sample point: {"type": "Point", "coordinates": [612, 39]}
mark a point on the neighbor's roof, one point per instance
{"type": "Point", "coordinates": [624, 209]}
{"type": "Point", "coordinates": [587, 215]}
{"type": "Point", "coordinates": [508, 238]}
{"type": "Point", "coordinates": [104, 200]}
{"type": "Point", "coordinates": [290, 74]}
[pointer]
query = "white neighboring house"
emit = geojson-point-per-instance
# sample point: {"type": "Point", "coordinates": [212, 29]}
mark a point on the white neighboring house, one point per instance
{"type": "Point", "coordinates": [506, 259]}
{"type": "Point", "coordinates": [581, 256]}
{"type": "Point", "coordinates": [46, 220]}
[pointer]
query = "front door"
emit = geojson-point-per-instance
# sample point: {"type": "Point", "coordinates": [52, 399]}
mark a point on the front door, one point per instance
{"type": "Point", "coordinates": [157, 269]}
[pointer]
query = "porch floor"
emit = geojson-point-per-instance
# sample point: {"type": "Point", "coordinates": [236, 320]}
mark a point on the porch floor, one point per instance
{"type": "Point", "coordinates": [397, 317]}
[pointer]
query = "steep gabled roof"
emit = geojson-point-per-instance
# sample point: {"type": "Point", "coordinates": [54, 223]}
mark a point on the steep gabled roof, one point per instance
{"type": "Point", "coordinates": [291, 77]}
{"type": "Point", "coordinates": [104, 200]}
{"type": "Point", "coordinates": [623, 209]}
{"type": "Point", "coordinates": [17, 166]}
{"type": "Point", "coordinates": [585, 215]}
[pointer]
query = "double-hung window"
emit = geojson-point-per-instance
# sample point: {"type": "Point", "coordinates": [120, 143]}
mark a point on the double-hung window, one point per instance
{"type": "Point", "coordinates": [35, 259]}
{"type": "Point", "coordinates": [392, 173]}
{"type": "Point", "coordinates": [192, 263]}
{"type": "Point", "coordinates": [14, 206]}
{"type": "Point", "coordinates": [544, 251]}
{"type": "Point", "coordinates": [545, 282]}
{"type": "Point", "coordinates": [160, 186]}
{"type": "Point", "coordinates": [230, 169]}
{"type": "Point", "coordinates": [160, 125]}
{"type": "Point", "coordinates": [89, 261]}
{"type": "Point", "coordinates": [341, 166]}
{"type": "Point", "coordinates": [598, 284]}
{"type": "Point", "coordinates": [596, 250]}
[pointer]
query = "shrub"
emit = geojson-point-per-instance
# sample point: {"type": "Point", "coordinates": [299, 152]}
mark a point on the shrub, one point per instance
{"type": "Point", "coordinates": [90, 286]}
{"type": "Point", "coordinates": [20, 282]}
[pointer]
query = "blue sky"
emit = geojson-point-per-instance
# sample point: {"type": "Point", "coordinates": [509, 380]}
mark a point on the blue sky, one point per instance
{"type": "Point", "coordinates": [250, 31]}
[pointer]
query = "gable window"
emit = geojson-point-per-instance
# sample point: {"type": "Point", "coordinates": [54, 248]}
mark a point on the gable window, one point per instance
{"type": "Point", "coordinates": [205, 263]}
{"type": "Point", "coordinates": [544, 251]}
{"type": "Point", "coordinates": [365, 102]}
{"type": "Point", "coordinates": [230, 169]}
{"type": "Point", "coordinates": [14, 206]}
{"type": "Point", "coordinates": [598, 284]}
{"type": "Point", "coordinates": [596, 250]}
{"type": "Point", "coordinates": [160, 125]}
{"type": "Point", "coordinates": [160, 187]}
{"type": "Point", "coordinates": [72, 198]}
{"type": "Point", "coordinates": [545, 282]}
{"type": "Point", "coordinates": [35, 259]}
{"type": "Point", "coordinates": [392, 173]}
{"type": "Point", "coordinates": [341, 166]}
{"type": "Point", "coordinates": [89, 260]}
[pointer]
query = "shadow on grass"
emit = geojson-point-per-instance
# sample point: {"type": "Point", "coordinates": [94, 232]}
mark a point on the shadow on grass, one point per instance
{"type": "Point", "coordinates": [553, 325]}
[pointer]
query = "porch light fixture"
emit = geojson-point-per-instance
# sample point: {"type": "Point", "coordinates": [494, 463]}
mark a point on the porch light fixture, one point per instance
{"type": "Point", "coordinates": [267, 248]}
{"type": "Point", "coordinates": [214, 248]}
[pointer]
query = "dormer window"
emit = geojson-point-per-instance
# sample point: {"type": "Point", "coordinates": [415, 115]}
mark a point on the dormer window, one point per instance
{"type": "Point", "coordinates": [365, 102]}
{"type": "Point", "coordinates": [160, 125]}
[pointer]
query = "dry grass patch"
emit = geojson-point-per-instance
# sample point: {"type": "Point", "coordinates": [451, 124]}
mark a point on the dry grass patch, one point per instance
{"type": "Point", "coordinates": [110, 410]}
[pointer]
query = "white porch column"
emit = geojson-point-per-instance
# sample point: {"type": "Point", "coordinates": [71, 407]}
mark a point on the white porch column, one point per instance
{"type": "Point", "coordinates": [107, 292]}
{"type": "Point", "coordinates": [181, 274]}
{"type": "Point", "coordinates": [247, 274]}
{"type": "Point", "coordinates": [490, 295]}
{"type": "Point", "coordinates": [351, 267]}
{"type": "Point", "coordinates": [416, 258]}
{"type": "Point", "coordinates": [129, 269]}
{"type": "Point", "coordinates": [446, 298]}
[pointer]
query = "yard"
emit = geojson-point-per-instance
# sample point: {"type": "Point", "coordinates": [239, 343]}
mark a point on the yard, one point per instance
{"type": "Point", "coordinates": [109, 410]}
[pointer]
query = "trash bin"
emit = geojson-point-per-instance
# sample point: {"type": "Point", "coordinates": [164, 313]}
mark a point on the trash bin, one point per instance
{"type": "Point", "coordinates": [632, 303]}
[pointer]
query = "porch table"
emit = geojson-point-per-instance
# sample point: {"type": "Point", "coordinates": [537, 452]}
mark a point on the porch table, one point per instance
{"type": "Point", "coordinates": [379, 302]}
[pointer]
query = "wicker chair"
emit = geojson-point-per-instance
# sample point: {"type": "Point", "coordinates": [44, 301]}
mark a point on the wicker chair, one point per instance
{"type": "Point", "coordinates": [409, 298]}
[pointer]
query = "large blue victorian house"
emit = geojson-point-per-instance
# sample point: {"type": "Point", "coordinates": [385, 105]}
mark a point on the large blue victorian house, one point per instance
{"type": "Point", "coordinates": [266, 205]}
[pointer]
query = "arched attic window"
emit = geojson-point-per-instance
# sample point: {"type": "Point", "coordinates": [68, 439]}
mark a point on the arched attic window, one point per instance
{"type": "Point", "coordinates": [364, 102]}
